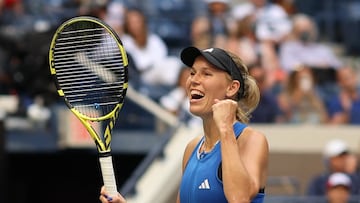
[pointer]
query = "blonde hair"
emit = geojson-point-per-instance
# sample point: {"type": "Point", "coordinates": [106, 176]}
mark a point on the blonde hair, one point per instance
{"type": "Point", "coordinates": [251, 96]}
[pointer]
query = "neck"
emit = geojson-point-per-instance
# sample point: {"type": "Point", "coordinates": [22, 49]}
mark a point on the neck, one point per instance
{"type": "Point", "coordinates": [211, 135]}
{"type": "Point", "coordinates": [207, 146]}
{"type": "Point", "coordinates": [210, 130]}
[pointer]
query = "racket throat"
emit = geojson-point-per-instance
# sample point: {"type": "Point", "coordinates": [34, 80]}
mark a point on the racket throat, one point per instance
{"type": "Point", "coordinates": [104, 154]}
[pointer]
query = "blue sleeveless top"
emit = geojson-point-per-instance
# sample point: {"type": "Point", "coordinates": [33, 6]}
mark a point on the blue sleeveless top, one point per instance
{"type": "Point", "coordinates": [200, 182]}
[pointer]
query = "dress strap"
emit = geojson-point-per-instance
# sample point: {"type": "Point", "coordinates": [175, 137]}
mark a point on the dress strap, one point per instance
{"type": "Point", "coordinates": [238, 128]}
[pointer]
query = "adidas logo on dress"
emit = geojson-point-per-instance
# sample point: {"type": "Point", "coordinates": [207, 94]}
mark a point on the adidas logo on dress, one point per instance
{"type": "Point", "coordinates": [205, 185]}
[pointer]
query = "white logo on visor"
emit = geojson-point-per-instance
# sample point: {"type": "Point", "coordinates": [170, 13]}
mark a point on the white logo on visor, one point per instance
{"type": "Point", "coordinates": [209, 50]}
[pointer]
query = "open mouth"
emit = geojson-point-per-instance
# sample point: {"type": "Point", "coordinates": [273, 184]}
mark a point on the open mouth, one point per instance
{"type": "Point", "coordinates": [195, 94]}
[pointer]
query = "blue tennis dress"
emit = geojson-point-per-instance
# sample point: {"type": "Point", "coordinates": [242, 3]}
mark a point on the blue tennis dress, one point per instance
{"type": "Point", "coordinates": [201, 182]}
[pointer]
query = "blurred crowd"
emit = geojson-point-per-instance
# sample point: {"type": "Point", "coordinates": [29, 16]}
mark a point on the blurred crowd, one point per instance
{"type": "Point", "coordinates": [339, 182]}
{"type": "Point", "coordinates": [302, 78]}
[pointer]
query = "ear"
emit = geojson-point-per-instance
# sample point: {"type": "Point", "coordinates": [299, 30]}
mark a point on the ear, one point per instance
{"type": "Point", "coordinates": [233, 89]}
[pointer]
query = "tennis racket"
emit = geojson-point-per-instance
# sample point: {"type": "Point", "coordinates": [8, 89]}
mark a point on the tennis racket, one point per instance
{"type": "Point", "coordinates": [89, 65]}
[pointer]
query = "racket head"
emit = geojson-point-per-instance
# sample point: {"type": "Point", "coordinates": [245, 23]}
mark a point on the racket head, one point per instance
{"type": "Point", "coordinates": [89, 65]}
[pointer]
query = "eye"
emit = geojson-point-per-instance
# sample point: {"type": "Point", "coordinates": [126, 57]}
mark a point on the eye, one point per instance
{"type": "Point", "coordinates": [207, 73]}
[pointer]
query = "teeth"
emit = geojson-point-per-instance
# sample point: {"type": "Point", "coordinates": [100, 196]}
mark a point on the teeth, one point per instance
{"type": "Point", "coordinates": [196, 92]}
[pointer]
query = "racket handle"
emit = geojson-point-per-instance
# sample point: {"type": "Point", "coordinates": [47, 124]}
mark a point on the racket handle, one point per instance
{"type": "Point", "coordinates": [108, 176]}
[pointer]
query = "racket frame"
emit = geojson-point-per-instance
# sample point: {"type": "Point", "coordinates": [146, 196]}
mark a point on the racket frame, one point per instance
{"type": "Point", "coordinates": [103, 145]}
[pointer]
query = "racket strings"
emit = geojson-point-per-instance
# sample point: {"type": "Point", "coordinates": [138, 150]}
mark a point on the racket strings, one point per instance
{"type": "Point", "coordinates": [90, 69]}
{"type": "Point", "coordinates": [64, 60]}
{"type": "Point", "coordinates": [72, 71]}
{"type": "Point", "coordinates": [68, 37]}
{"type": "Point", "coordinates": [63, 49]}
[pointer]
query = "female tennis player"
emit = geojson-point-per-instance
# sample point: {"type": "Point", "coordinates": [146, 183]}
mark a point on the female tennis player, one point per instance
{"type": "Point", "coordinates": [229, 162]}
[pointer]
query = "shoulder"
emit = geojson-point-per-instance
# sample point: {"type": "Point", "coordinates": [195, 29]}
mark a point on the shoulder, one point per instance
{"type": "Point", "coordinates": [126, 39]}
{"type": "Point", "coordinates": [155, 42]}
{"type": "Point", "coordinates": [192, 144]}
{"type": "Point", "coordinates": [190, 147]}
{"type": "Point", "coordinates": [252, 137]}
{"type": "Point", "coordinates": [252, 133]}
{"type": "Point", "coordinates": [319, 179]}
{"type": "Point", "coordinates": [154, 38]}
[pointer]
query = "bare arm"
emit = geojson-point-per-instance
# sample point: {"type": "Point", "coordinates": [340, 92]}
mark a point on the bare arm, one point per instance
{"type": "Point", "coordinates": [244, 160]}
{"type": "Point", "coordinates": [254, 151]}
{"type": "Point", "coordinates": [244, 165]}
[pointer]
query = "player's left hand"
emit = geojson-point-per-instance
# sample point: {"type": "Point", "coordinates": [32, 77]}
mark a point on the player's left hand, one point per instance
{"type": "Point", "coordinates": [105, 198]}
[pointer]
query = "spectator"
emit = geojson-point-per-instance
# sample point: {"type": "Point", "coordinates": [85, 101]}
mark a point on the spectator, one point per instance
{"type": "Point", "coordinates": [338, 188]}
{"type": "Point", "coordinates": [242, 40]}
{"type": "Point", "coordinates": [217, 15]}
{"type": "Point", "coordinates": [93, 8]}
{"type": "Point", "coordinates": [336, 156]}
{"type": "Point", "coordinates": [16, 19]}
{"type": "Point", "coordinates": [114, 16]}
{"type": "Point", "coordinates": [267, 110]}
{"type": "Point", "coordinates": [150, 55]}
{"type": "Point", "coordinates": [299, 101]}
{"type": "Point", "coordinates": [200, 32]}
{"type": "Point", "coordinates": [302, 48]}
{"type": "Point", "coordinates": [270, 21]}
{"type": "Point", "coordinates": [344, 108]}
{"type": "Point", "coordinates": [250, 40]}
{"type": "Point", "coordinates": [352, 164]}
{"type": "Point", "coordinates": [140, 42]}
{"type": "Point", "coordinates": [22, 71]}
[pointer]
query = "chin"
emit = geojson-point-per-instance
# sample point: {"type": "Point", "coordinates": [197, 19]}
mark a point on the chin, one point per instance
{"type": "Point", "coordinates": [195, 111]}
{"type": "Point", "coordinates": [200, 111]}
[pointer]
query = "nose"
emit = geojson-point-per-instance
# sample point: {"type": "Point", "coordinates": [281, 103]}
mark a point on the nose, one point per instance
{"type": "Point", "coordinates": [194, 79]}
